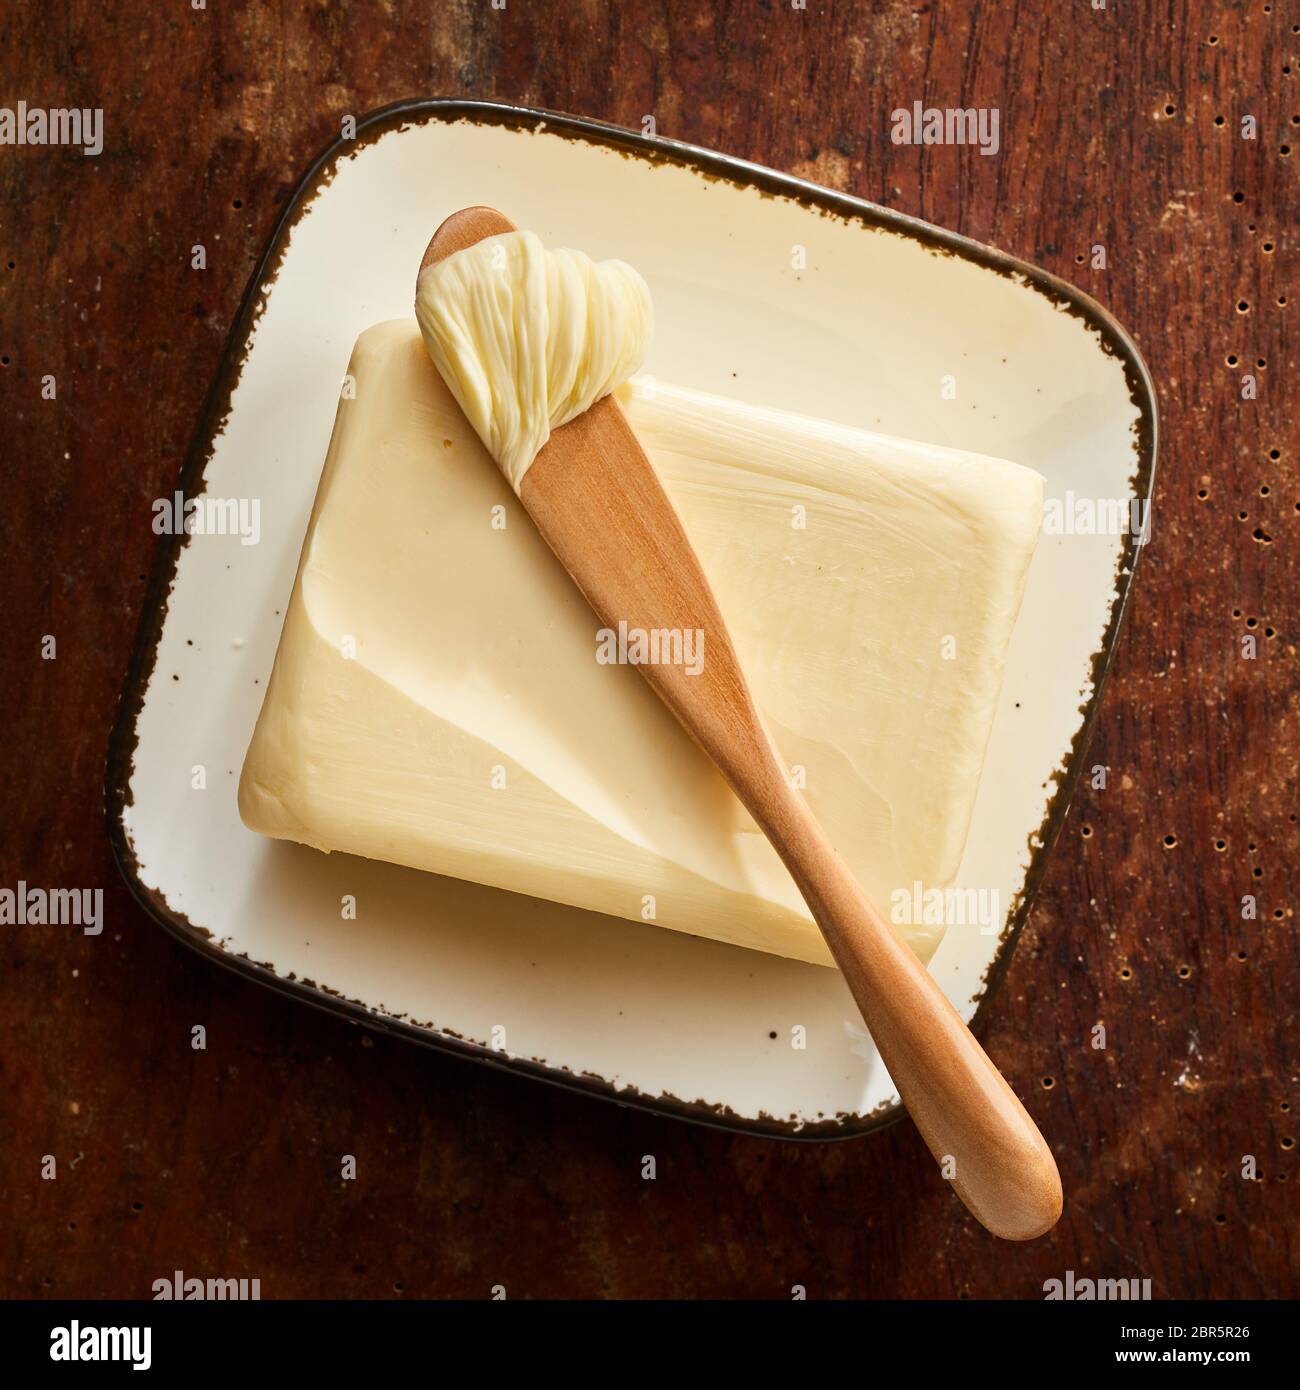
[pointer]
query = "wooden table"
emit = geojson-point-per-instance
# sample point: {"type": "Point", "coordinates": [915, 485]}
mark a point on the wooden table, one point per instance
{"type": "Point", "coordinates": [1120, 128]}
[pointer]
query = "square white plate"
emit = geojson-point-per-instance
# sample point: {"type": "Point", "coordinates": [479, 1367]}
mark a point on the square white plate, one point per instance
{"type": "Point", "coordinates": [889, 324]}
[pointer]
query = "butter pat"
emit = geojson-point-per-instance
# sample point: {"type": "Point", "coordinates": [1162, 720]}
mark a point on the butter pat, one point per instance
{"type": "Point", "coordinates": [437, 700]}
{"type": "Point", "coordinates": [527, 339]}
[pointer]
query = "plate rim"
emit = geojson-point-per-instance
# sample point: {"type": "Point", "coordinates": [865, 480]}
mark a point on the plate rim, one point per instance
{"type": "Point", "coordinates": [653, 149]}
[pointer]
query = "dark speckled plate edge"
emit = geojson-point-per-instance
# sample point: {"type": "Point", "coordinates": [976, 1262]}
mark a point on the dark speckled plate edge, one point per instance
{"type": "Point", "coordinates": [653, 149]}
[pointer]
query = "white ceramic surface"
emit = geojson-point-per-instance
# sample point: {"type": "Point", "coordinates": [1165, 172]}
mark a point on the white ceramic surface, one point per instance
{"type": "Point", "coordinates": [867, 333]}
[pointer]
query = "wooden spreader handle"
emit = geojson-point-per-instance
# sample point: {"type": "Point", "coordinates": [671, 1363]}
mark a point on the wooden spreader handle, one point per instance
{"type": "Point", "coordinates": [977, 1129]}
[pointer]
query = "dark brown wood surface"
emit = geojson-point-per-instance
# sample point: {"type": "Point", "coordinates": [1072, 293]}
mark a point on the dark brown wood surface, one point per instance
{"type": "Point", "coordinates": [1121, 127]}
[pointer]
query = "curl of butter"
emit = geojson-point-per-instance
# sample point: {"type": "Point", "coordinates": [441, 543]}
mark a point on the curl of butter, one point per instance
{"type": "Point", "coordinates": [526, 339]}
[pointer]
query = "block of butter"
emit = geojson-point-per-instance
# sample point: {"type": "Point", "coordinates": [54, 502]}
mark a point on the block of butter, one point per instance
{"type": "Point", "coordinates": [443, 696]}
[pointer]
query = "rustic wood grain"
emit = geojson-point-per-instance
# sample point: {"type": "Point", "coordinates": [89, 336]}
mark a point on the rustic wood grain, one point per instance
{"type": "Point", "coordinates": [224, 1162]}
